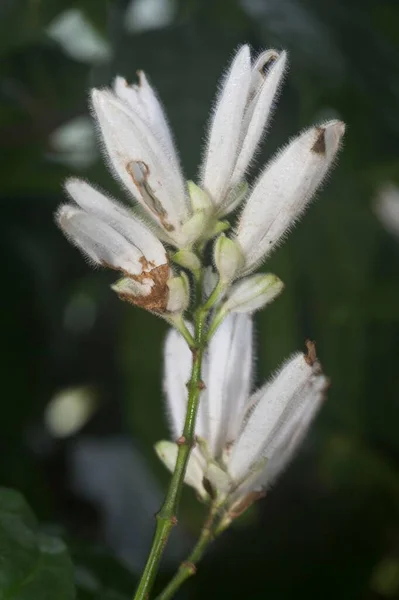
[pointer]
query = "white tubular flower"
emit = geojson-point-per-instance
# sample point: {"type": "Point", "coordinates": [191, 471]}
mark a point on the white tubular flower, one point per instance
{"type": "Point", "coordinates": [243, 441]}
{"type": "Point", "coordinates": [143, 163]}
{"type": "Point", "coordinates": [241, 114]}
{"type": "Point", "coordinates": [284, 190]}
{"type": "Point", "coordinates": [387, 207]}
{"type": "Point", "coordinates": [110, 236]}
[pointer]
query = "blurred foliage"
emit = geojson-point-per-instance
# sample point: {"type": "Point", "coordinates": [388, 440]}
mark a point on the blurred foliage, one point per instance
{"type": "Point", "coordinates": [330, 528]}
{"type": "Point", "coordinates": [33, 565]}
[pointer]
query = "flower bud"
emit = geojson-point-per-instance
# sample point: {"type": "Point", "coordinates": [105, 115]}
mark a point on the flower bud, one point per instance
{"type": "Point", "coordinates": [187, 259]}
{"type": "Point", "coordinates": [179, 293]}
{"type": "Point", "coordinates": [228, 258]}
{"type": "Point", "coordinates": [199, 199]}
{"type": "Point", "coordinates": [194, 227]}
{"type": "Point", "coordinates": [253, 293]}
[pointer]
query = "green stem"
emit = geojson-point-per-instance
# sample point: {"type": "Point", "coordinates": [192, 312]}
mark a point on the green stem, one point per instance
{"type": "Point", "coordinates": [188, 568]}
{"type": "Point", "coordinates": [166, 518]}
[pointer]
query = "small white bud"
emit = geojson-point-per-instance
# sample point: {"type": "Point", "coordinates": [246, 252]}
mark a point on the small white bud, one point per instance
{"type": "Point", "coordinates": [228, 258]}
{"type": "Point", "coordinates": [253, 293]}
{"type": "Point", "coordinates": [188, 260]}
{"type": "Point", "coordinates": [179, 293]}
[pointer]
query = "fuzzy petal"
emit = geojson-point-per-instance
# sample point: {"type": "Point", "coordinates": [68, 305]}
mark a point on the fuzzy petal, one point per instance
{"type": "Point", "coordinates": [225, 130]}
{"type": "Point", "coordinates": [272, 419]}
{"type": "Point", "coordinates": [177, 367]}
{"type": "Point", "coordinates": [228, 381]}
{"type": "Point", "coordinates": [117, 217]}
{"type": "Point", "coordinates": [258, 112]}
{"type": "Point", "coordinates": [100, 242]}
{"type": "Point", "coordinates": [284, 190]}
{"type": "Point", "coordinates": [143, 100]}
{"type": "Point", "coordinates": [141, 162]}
{"type": "Point", "coordinates": [177, 370]}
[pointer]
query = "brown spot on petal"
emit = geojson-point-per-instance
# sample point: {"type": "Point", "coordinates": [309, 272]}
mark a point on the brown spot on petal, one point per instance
{"type": "Point", "coordinates": [310, 356]}
{"type": "Point", "coordinates": [265, 68]}
{"type": "Point", "coordinates": [139, 171]}
{"type": "Point", "coordinates": [157, 300]}
{"type": "Point", "coordinates": [319, 146]}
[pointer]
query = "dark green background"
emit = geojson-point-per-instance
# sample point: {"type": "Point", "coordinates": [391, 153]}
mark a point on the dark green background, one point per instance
{"type": "Point", "coordinates": [330, 527]}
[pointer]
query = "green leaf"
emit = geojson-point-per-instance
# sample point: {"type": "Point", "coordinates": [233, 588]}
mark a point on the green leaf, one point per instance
{"type": "Point", "coordinates": [33, 565]}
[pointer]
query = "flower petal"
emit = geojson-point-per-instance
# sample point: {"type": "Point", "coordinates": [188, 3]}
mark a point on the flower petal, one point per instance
{"type": "Point", "coordinates": [167, 452]}
{"type": "Point", "coordinates": [258, 111]}
{"type": "Point", "coordinates": [274, 414]}
{"type": "Point", "coordinates": [225, 129]}
{"type": "Point", "coordinates": [177, 370]}
{"type": "Point", "coordinates": [284, 190]}
{"type": "Point", "coordinates": [177, 367]}
{"type": "Point", "coordinates": [115, 215]}
{"type": "Point", "coordinates": [143, 100]}
{"type": "Point", "coordinates": [228, 381]}
{"type": "Point", "coordinates": [100, 242]}
{"type": "Point", "coordinates": [141, 162]}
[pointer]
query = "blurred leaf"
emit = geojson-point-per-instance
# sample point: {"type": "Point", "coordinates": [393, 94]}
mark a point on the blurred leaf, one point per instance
{"type": "Point", "coordinates": [33, 565]}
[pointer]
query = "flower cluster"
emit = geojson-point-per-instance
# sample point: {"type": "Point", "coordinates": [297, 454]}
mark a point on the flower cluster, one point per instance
{"type": "Point", "coordinates": [243, 441]}
{"type": "Point", "coordinates": [183, 215]}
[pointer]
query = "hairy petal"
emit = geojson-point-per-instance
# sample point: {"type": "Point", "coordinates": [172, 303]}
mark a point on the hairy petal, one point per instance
{"type": "Point", "coordinates": [116, 216]}
{"type": "Point", "coordinates": [273, 414]}
{"type": "Point", "coordinates": [143, 100]}
{"type": "Point", "coordinates": [284, 190]}
{"type": "Point", "coordinates": [258, 111]}
{"type": "Point", "coordinates": [140, 161]}
{"type": "Point", "coordinates": [100, 242]}
{"type": "Point", "coordinates": [228, 380]}
{"type": "Point", "coordinates": [225, 129]}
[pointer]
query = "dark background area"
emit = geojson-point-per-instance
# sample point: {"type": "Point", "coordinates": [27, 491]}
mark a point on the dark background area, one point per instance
{"type": "Point", "coordinates": [330, 527]}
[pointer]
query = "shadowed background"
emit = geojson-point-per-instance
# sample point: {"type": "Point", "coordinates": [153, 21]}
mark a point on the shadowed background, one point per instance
{"type": "Point", "coordinates": [81, 371]}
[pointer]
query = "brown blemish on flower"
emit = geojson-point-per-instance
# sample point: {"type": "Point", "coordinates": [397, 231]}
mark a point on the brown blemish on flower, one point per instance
{"type": "Point", "coordinates": [265, 68]}
{"type": "Point", "coordinates": [319, 146]}
{"type": "Point", "coordinates": [240, 507]}
{"type": "Point", "coordinates": [310, 356]}
{"type": "Point", "coordinates": [147, 193]}
{"type": "Point", "coordinates": [157, 300]}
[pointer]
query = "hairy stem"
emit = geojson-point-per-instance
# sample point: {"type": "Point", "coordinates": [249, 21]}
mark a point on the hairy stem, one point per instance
{"type": "Point", "coordinates": [188, 568]}
{"type": "Point", "coordinates": [166, 518]}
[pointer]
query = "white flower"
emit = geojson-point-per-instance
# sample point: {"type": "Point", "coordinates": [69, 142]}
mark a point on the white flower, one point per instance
{"type": "Point", "coordinates": [387, 207]}
{"type": "Point", "coordinates": [244, 441]}
{"type": "Point", "coordinates": [109, 235]}
{"type": "Point", "coordinates": [284, 189]}
{"type": "Point", "coordinates": [142, 155]}
{"type": "Point", "coordinates": [241, 113]}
